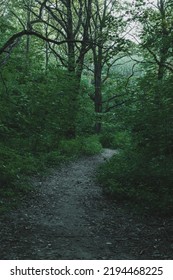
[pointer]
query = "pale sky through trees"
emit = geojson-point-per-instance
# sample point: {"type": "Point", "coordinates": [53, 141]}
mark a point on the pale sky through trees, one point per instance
{"type": "Point", "coordinates": [133, 28]}
{"type": "Point", "coordinates": [148, 2]}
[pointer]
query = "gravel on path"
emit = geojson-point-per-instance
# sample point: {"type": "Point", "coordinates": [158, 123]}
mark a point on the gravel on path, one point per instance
{"type": "Point", "coordinates": [69, 217]}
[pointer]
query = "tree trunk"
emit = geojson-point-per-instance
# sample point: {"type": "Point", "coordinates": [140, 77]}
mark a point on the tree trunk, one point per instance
{"type": "Point", "coordinates": [28, 26]}
{"type": "Point", "coordinates": [98, 86]}
{"type": "Point", "coordinates": [71, 129]}
{"type": "Point", "coordinates": [70, 38]}
{"type": "Point", "coordinates": [47, 46]}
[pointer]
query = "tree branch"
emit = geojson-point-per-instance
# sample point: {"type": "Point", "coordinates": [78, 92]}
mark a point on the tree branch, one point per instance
{"type": "Point", "coordinates": [114, 106]}
{"type": "Point", "coordinates": [113, 97]}
{"type": "Point", "coordinates": [20, 34]}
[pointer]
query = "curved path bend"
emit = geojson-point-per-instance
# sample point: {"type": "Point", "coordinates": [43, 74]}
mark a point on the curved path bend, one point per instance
{"type": "Point", "coordinates": [70, 218]}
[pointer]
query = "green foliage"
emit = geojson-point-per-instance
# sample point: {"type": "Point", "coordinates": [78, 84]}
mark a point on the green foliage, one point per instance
{"type": "Point", "coordinates": [13, 165]}
{"type": "Point", "coordinates": [115, 140]}
{"type": "Point", "coordinates": [37, 106]}
{"type": "Point", "coordinates": [108, 130]}
{"type": "Point", "coordinates": [122, 139]}
{"type": "Point", "coordinates": [35, 115]}
{"type": "Point", "coordinates": [90, 145]}
{"type": "Point", "coordinates": [69, 147]}
{"type": "Point", "coordinates": [140, 180]}
{"type": "Point", "coordinates": [53, 158]}
{"type": "Point", "coordinates": [80, 146]}
{"type": "Point", "coordinates": [107, 139]}
{"type": "Point", "coordinates": [142, 173]}
{"type": "Point", "coordinates": [150, 121]}
{"type": "Point", "coordinates": [85, 117]}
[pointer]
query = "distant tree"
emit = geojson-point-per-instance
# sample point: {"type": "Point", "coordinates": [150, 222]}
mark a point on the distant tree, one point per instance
{"type": "Point", "coordinates": [107, 27]}
{"type": "Point", "coordinates": [156, 33]}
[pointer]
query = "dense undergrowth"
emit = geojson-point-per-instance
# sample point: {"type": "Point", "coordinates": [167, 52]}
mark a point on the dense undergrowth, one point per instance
{"type": "Point", "coordinates": [36, 119]}
{"type": "Point", "coordinates": [144, 183]}
{"type": "Point", "coordinates": [16, 166]}
{"type": "Point", "coordinates": [142, 171]}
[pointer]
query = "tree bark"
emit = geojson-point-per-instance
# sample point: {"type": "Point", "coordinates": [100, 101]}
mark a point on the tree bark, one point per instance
{"type": "Point", "coordinates": [98, 85]}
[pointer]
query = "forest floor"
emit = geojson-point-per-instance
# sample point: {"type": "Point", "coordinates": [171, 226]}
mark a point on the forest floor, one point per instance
{"type": "Point", "coordinates": [69, 217]}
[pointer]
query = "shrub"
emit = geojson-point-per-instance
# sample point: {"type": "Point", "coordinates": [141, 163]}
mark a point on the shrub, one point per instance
{"type": "Point", "coordinates": [132, 176]}
{"type": "Point", "coordinates": [107, 139]}
{"type": "Point", "coordinates": [122, 139]}
{"type": "Point", "coordinates": [81, 145]}
{"type": "Point", "coordinates": [13, 165]}
{"type": "Point", "coordinates": [115, 140]}
{"type": "Point", "coordinates": [90, 145]}
{"type": "Point", "coordinates": [53, 158]}
{"type": "Point", "coordinates": [69, 147]}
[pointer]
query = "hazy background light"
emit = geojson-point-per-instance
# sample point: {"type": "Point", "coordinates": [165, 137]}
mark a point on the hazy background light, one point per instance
{"type": "Point", "coordinates": [133, 30]}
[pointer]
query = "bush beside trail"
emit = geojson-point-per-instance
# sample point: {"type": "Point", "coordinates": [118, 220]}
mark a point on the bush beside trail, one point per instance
{"type": "Point", "coordinates": [132, 176]}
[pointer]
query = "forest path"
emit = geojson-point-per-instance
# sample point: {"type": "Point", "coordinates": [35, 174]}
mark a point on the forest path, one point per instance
{"type": "Point", "coordinates": [70, 218]}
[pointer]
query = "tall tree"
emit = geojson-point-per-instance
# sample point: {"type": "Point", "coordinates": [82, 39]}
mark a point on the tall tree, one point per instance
{"type": "Point", "coordinates": [156, 33]}
{"type": "Point", "coordinates": [107, 28]}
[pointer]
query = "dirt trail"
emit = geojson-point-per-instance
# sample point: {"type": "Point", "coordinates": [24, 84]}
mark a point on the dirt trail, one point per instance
{"type": "Point", "coordinates": [70, 218]}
